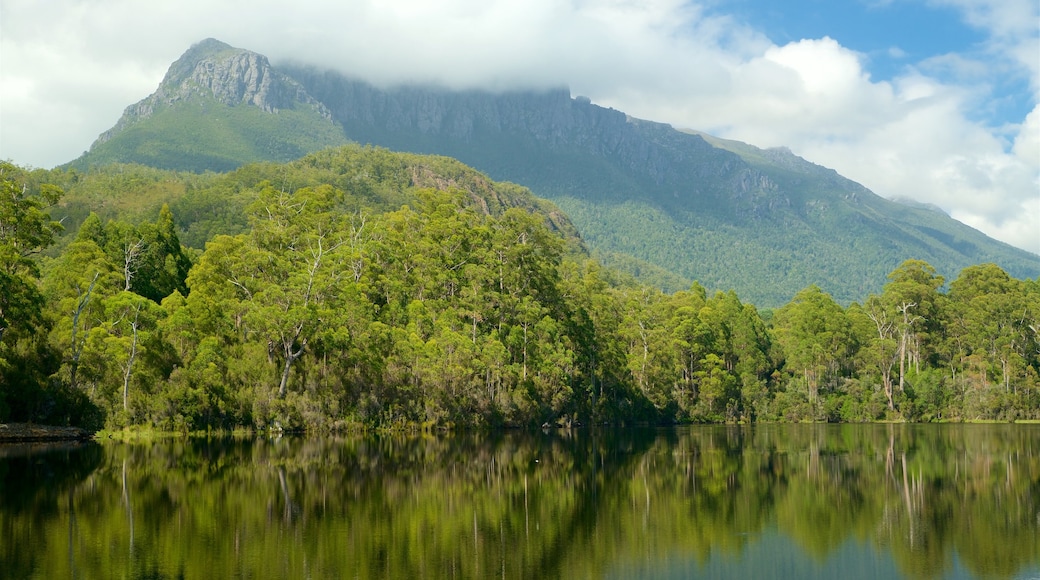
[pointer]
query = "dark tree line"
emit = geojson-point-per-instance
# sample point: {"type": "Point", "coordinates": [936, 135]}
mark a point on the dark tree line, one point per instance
{"type": "Point", "coordinates": [325, 315]}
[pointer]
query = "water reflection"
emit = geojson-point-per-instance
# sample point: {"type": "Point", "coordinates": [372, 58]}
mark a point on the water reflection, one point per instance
{"type": "Point", "coordinates": [928, 501]}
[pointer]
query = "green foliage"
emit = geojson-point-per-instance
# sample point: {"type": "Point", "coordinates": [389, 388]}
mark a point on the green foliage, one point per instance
{"type": "Point", "coordinates": [206, 134]}
{"type": "Point", "coordinates": [26, 359]}
{"type": "Point", "coordinates": [817, 341]}
{"type": "Point", "coordinates": [362, 287]}
{"type": "Point", "coordinates": [661, 204]}
{"type": "Point", "coordinates": [25, 230]}
{"type": "Point", "coordinates": [764, 223]}
{"type": "Point", "coordinates": [152, 262]}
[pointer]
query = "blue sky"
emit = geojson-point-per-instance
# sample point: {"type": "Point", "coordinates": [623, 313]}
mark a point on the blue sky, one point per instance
{"type": "Point", "coordinates": [892, 36]}
{"type": "Point", "coordinates": [933, 100]}
{"type": "Point", "coordinates": [872, 28]}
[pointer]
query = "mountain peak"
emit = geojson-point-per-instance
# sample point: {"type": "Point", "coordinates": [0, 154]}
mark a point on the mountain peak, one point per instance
{"type": "Point", "coordinates": [231, 75]}
{"type": "Point", "coordinates": [212, 69]}
{"type": "Point", "coordinates": [208, 49]}
{"type": "Point", "coordinates": [219, 107]}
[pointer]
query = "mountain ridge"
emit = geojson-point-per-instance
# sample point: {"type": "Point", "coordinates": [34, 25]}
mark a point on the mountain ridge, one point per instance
{"type": "Point", "coordinates": [763, 222]}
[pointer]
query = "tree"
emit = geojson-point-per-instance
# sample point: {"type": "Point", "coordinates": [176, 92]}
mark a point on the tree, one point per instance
{"type": "Point", "coordinates": [748, 350]}
{"type": "Point", "coordinates": [992, 332]}
{"type": "Point", "coordinates": [76, 285]}
{"type": "Point", "coordinates": [25, 229]}
{"type": "Point", "coordinates": [884, 350]}
{"type": "Point", "coordinates": [25, 357]}
{"type": "Point", "coordinates": [149, 255]}
{"type": "Point", "coordinates": [278, 283]}
{"type": "Point", "coordinates": [816, 337]}
{"type": "Point", "coordinates": [163, 267]}
{"type": "Point", "coordinates": [912, 301]}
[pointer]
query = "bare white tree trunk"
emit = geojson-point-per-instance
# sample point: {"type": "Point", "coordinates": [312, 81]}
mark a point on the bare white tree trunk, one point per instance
{"type": "Point", "coordinates": [130, 359]}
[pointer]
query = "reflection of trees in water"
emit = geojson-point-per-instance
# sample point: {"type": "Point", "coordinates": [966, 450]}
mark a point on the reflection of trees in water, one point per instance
{"type": "Point", "coordinates": [553, 504]}
{"type": "Point", "coordinates": [929, 491]}
{"type": "Point", "coordinates": [37, 483]}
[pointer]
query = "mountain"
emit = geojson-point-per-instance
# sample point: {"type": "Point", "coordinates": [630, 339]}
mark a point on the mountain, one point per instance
{"type": "Point", "coordinates": [644, 196]}
{"type": "Point", "coordinates": [217, 108]}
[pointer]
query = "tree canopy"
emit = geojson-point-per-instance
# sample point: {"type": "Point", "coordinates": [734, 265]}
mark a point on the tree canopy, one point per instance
{"type": "Point", "coordinates": [466, 304]}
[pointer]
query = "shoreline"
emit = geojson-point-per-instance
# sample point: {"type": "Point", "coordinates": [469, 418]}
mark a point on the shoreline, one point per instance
{"type": "Point", "coordinates": [29, 433]}
{"type": "Point", "coordinates": [14, 433]}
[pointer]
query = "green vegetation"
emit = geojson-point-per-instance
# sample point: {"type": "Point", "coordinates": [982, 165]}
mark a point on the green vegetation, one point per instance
{"type": "Point", "coordinates": [764, 223]}
{"type": "Point", "coordinates": [762, 228]}
{"type": "Point", "coordinates": [359, 287]}
{"type": "Point", "coordinates": [207, 133]}
{"type": "Point", "coordinates": [665, 206]}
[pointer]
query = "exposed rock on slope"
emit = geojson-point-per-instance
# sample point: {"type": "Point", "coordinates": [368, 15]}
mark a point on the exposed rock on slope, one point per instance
{"type": "Point", "coordinates": [217, 108]}
{"type": "Point", "coordinates": [231, 76]}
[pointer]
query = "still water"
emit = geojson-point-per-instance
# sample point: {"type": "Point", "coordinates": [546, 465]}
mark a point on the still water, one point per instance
{"type": "Point", "coordinates": [793, 501]}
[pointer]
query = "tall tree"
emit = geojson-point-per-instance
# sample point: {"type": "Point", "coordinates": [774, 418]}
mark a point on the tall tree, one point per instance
{"type": "Point", "coordinates": [164, 265]}
{"type": "Point", "coordinates": [25, 229]}
{"type": "Point", "coordinates": [992, 329]}
{"type": "Point", "coordinates": [816, 338]}
{"type": "Point", "coordinates": [913, 304]}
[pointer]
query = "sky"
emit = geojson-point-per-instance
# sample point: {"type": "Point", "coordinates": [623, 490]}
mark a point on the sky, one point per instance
{"type": "Point", "coordinates": [931, 100]}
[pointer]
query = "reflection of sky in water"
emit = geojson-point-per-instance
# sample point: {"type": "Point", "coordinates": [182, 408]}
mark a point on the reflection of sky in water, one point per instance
{"type": "Point", "coordinates": [774, 556]}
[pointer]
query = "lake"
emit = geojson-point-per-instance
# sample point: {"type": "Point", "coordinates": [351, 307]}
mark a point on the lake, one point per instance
{"type": "Point", "coordinates": [763, 501]}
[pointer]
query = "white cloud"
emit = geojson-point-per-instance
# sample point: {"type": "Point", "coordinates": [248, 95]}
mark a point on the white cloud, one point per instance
{"type": "Point", "coordinates": [1012, 31]}
{"type": "Point", "coordinates": [69, 67]}
{"type": "Point", "coordinates": [1027, 144]}
{"type": "Point", "coordinates": [897, 53]}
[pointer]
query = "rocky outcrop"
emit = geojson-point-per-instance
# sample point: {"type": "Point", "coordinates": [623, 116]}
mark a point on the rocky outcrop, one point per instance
{"type": "Point", "coordinates": [231, 76]}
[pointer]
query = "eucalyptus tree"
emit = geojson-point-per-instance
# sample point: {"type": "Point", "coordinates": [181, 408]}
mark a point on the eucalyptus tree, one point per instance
{"type": "Point", "coordinates": [992, 338]}
{"type": "Point", "coordinates": [77, 285]}
{"type": "Point", "coordinates": [650, 352]}
{"type": "Point", "coordinates": [295, 264]}
{"type": "Point", "coordinates": [149, 255]}
{"type": "Point", "coordinates": [749, 352]}
{"type": "Point", "coordinates": [271, 294]}
{"type": "Point", "coordinates": [816, 338]}
{"type": "Point", "coordinates": [914, 304]}
{"type": "Point", "coordinates": [602, 383]}
{"type": "Point", "coordinates": [26, 228]}
{"type": "Point", "coordinates": [690, 341]}
{"type": "Point", "coordinates": [163, 265]}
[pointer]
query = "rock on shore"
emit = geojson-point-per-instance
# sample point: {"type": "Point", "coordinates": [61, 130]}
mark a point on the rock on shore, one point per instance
{"type": "Point", "coordinates": [17, 432]}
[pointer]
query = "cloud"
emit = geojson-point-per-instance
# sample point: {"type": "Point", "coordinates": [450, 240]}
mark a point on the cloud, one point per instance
{"type": "Point", "coordinates": [1012, 33]}
{"type": "Point", "coordinates": [69, 67]}
{"type": "Point", "coordinates": [912, 137]}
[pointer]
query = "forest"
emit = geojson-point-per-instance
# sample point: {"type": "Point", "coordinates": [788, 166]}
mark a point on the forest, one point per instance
{"type": "Point", "coordinates": [348, 298]}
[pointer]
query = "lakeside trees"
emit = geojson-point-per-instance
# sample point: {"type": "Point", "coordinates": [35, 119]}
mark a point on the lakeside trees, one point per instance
{"type": "Point", "coordinates": [328, 311]}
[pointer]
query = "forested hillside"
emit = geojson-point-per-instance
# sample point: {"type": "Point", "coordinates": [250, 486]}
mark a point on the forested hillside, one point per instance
{"type": "Point", "coordinates": [665, 205]}
{"type": "Point", "coordinates": [360, 288]}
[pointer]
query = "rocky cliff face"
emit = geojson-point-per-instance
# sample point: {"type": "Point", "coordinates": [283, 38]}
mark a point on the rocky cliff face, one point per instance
{"type": "Point", "coordinates": [231, 76]}
{"type": "Point", "coordinates": [550, 116]}
{"type": "Point", "coordinates": [471, 123]}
